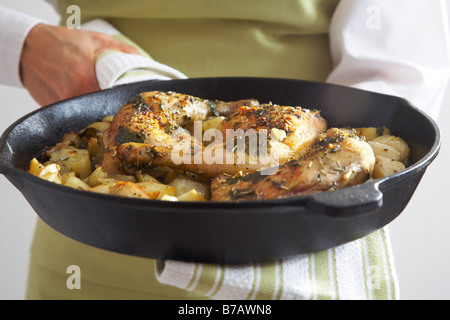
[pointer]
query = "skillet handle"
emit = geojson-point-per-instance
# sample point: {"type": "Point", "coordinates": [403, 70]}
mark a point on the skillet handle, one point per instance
{"type": "Point", "coordinates": [347, 202]}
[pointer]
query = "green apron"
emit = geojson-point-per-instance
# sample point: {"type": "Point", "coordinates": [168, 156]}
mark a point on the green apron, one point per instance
{"type": "Point", "coordinates": [286, 38]}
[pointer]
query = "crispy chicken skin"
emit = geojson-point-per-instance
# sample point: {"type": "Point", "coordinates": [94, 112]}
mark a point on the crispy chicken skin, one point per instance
{"type": "Point", "coordinates": [153, 116]}
{"type": "Point", "coordinates": [337, 160]}
{"type": "Point", "coordinates": [292, 129]}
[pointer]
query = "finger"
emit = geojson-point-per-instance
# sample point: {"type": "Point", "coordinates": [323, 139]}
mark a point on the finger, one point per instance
{"type": "Point", "coordinates": [125, 49]}
{"type": "Point", "coordinates": [129, 49]}
{"type": "Point", "coordinates": [109, 43]}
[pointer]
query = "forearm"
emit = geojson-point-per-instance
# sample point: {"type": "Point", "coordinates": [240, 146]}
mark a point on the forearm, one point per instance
{"type": "Point", "coordinates": [393, 47]}
{"type": "Point", "coordinates": [14, 28]}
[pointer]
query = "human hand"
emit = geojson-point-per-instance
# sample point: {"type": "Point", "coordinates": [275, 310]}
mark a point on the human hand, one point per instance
{"type": "Point", "coordinates": [59, 63]}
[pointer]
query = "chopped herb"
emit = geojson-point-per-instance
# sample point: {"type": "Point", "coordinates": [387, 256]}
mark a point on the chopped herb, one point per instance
{"type": "Point", "coordinates": [124, 135]}
{"type": "Point", "coordinates": [242, 193]}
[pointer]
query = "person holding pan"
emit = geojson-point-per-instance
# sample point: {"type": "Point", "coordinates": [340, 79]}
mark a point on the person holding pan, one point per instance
{"type": "Point", "coordinates": [371, 45]}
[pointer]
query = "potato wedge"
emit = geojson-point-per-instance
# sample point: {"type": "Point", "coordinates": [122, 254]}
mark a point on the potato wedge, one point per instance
{"type": "Point", "coordinates": [108, 119]}
{"type": "Point", "coordinates": [182, 185]}
{"type": "Point", "coordinates": [95, 148]}
{"type": "Point", "coordinates": [385, 167]}
{"type": "Point", "coordinates": [398, 144]}
{"type": "Point", "coordinates": [122, 177]}
{"type": "Point", "coordinates": [169, 198]}
{"type": "Point", "coordinates": [192, 195]}
{"type": "Point", "coordinates": [128, 189]}
{"type": "Point", "coordinates": [384, 150]}
{"type": "Point", "coordinates": [100, 126]}
{"type": "Point", "coordinates": [96, 178]}
{"type": "Point", "coordinates": [35, 167]}
{"type": "Point", "coordinates": [66, 176]}
{"type": "Point", "coordinates": [156, 190]}
{"type": "Point", "coordinates": [52, 173]}
{"type": "Point", "coordinates": [371, 133]}
{"type": "Point", "coordinates": [144, 177]}
{"type": "Point", "coordinates": [102, 188]}
{"type": "Point", "coordinates": [76, 183]}
{"type": "Point", "coordinates": [72, 159]}
{"type": "Point", "coordinates": [71, 139]}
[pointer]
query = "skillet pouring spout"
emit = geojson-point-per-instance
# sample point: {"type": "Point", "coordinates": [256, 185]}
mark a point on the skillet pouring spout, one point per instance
{"type": "Point", "coordinates": [227, 231]}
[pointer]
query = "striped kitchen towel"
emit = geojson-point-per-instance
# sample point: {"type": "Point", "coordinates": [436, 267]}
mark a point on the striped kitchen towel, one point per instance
{"type": "Point", "coordinates": [362, 269]}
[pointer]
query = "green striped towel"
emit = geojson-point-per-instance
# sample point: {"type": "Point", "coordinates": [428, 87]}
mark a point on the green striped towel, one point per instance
{"type": "Point", "coordinates": [362, 269]}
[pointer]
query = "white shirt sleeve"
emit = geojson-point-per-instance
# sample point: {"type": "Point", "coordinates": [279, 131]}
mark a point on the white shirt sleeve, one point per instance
{"type": "Point", "coordinates": [398, 47]}
{"type": "Point", "coordinates": [14, 28]}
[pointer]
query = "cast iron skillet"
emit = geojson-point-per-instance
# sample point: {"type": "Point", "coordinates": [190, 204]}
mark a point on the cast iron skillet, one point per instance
{"type": "Point", "coordinates": [222, 231]}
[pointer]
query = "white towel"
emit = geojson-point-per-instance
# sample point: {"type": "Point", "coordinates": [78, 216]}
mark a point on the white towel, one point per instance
{"type": "Point", "coordinates": [115, 68]}
{"type": "Point", "coordinates": [362, 269]}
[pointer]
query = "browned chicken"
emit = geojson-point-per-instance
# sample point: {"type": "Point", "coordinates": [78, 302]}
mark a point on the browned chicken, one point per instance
{"type": "Point", "coordinates": [290, 130]}
{"type": "Point", "coordinates": [151, 130]}
{"type": "Point", "coordinates": [146, 130]}
{"type": "Point", "coordinates": [337, 160]}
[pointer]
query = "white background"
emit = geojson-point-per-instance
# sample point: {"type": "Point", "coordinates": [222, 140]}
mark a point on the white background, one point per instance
{"type": "Point", "coordinates": [420, 235]}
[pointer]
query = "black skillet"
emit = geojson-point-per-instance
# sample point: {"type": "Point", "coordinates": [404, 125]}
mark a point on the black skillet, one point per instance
{"type": "Point", "coordinates": [222, 231]}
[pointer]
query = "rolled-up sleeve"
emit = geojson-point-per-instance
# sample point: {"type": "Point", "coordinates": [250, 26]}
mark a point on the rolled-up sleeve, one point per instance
{"type": "Point", "coordinates": [396, 47]}
{"type": "Point", "coordinates": [14, 28]}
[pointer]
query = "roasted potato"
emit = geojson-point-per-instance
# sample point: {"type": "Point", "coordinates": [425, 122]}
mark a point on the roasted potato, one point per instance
{"type": "Point", "coordinates": [145, 177]}
{"type": "Point", "coordinates": [183, 185]}
{"type": "Point", "coordinates": [72, 159]}
{"type": "Point", "coordinates": [385, 167]}
{"type": "Point", "coordinates": [156, 190]}
{"type": "Point", "coordinates": [128, 189]}
{"type": "Point", "coordinates": [102, 188]}
{"type": "Point", "coordinates": [98, 177]}
{"type": "Point", "coordinates": [67, 176]}
{"type": "Point", "coordinates": [371, 133]}
{"type": "Point", "coordinates": [169, 198]}
{"type": "Point", "coordinates": [384, 150]}
{"type": "Point", "coordinates": [35, 167]}
{"type": "Point", "coordinates": [95, 148]}
{"type": "Point", "coordinates": [100, 126]}
{"type": "Point", "coordinates": [398, 144]}
{"type": "Point", "coordinates": [108, 119]}
{"type": "Point", "coordinates": [192, 195]}
{"type": "Point", "coordinates": [76, 183]}
{"type": "Point", "coordinates": [50, 172]}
